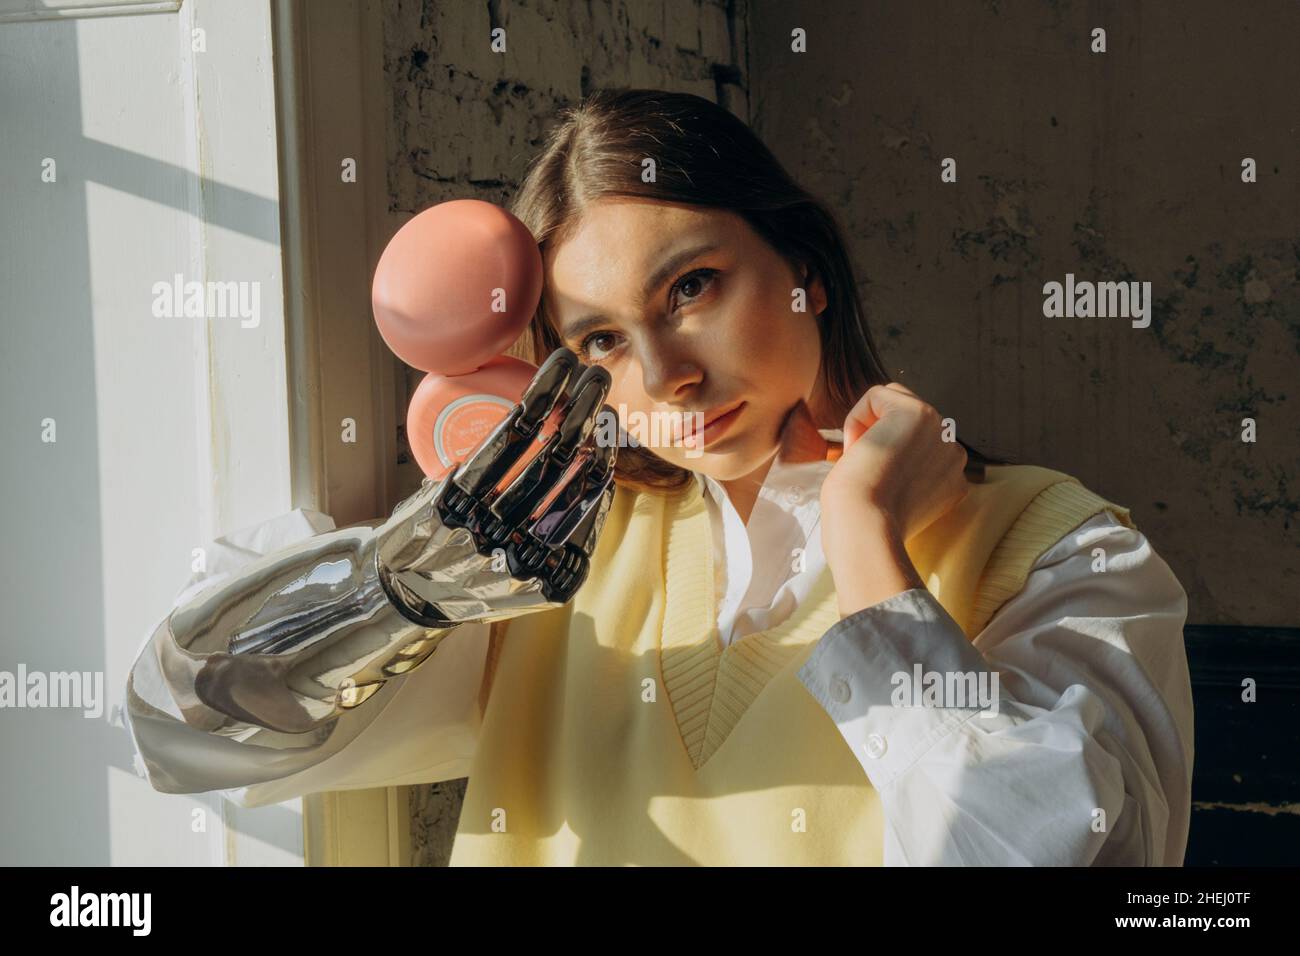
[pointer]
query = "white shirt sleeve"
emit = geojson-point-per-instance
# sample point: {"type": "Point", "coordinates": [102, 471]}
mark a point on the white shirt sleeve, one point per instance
{"type": "Point", "coordinates": [1086, 759]}
{"type": "Point", "coordinates": [420, 727]}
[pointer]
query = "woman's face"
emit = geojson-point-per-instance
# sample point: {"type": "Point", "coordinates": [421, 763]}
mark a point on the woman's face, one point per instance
{"type": "Point", "coordinates": [689, 310]}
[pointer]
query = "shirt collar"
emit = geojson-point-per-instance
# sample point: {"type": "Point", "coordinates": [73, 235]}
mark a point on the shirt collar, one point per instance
{"type": "Point", "coordinates": [793, 487]}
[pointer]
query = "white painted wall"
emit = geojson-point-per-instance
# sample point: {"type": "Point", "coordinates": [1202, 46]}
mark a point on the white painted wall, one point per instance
{"type": "Point", "coordinates": [170, 431]}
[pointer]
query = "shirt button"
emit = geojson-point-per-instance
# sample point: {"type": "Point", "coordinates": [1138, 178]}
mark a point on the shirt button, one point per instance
{"type": "Point", "coordinates": [875, 746]}
{"type": "Point", "coordinates": [793, 496]}
{"type": "Point", "coordinates": [840, 691]}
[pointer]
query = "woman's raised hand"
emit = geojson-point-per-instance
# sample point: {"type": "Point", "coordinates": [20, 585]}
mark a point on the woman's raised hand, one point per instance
{"type": "Point", "coordinates": [896, 462]}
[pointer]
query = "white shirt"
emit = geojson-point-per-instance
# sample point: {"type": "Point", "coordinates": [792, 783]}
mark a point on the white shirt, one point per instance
{"type": "Point", "coordinates": [1088, 759]}
{"type": "Point", "coordinates": [1093, 729]}
{"type": "Point", "coordinates": [784, 530]}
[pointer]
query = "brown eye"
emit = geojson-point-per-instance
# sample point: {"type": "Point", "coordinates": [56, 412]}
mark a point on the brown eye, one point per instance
{"type": "Point", "coordinates": [694, 284]}
{"type": "Point", "coordinates": [585, 348]}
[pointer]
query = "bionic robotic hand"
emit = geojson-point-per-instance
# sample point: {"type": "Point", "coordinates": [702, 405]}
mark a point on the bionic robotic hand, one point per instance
{"type": "Point", "coordinates": [460, 550]}
{"type": "Point", "coordinates": [297, 637]}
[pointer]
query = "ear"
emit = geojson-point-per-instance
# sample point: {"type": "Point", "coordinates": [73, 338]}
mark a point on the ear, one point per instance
{"type": "Point", "coordinates": [816, 290]}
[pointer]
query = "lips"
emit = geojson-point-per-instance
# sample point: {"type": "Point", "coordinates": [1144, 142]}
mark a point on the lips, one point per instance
{"type": "Point", "coordinates": [686, 428]}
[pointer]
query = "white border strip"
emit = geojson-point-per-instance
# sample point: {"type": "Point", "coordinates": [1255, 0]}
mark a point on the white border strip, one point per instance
{"type": "Point", "coordinates": [94, 8]}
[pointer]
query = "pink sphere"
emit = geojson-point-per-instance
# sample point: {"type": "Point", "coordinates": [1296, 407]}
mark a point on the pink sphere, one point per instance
{"type": "Point", "coordinates": [456, 286]}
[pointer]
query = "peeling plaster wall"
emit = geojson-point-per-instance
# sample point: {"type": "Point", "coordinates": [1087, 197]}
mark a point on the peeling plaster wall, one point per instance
{"type": "Point", "coordinates": [1116, 166]}
{"type": "Point", "coordinates": [1122, 166]}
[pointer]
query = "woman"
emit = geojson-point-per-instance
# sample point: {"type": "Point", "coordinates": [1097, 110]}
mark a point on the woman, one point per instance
{"type": "Point", "coordinates": [806, 636]}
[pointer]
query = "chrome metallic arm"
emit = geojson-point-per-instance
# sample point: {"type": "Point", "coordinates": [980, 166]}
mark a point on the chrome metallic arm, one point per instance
{"type": "Point", "coordinates": [247, 680]}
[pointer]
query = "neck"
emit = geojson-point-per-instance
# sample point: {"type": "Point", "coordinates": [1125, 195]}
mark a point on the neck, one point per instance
{"type": "Point", "coordinates": [804, 445]}
{"type": "Point", "coordinates": [743, 491]}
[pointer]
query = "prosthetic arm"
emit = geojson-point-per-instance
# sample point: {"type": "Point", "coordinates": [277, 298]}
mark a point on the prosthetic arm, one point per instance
{"type": "Point", "coordinates": [255, 677]}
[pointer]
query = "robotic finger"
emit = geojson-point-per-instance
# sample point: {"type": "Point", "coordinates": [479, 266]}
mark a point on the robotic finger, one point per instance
{"type": "Point", "coordinates": [473, 485]}
{"type": "Point", "coordinates": [557, 547]}
{"type": "Point", "coordinates": [512, 508]}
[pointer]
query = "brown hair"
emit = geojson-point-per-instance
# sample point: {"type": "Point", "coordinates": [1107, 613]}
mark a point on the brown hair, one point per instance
{"type": "Point", "coordinates": [704, 156]}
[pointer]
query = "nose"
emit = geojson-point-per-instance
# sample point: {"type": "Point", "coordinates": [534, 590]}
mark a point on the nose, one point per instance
{"type": "Point", "coordinates": [668, 371]}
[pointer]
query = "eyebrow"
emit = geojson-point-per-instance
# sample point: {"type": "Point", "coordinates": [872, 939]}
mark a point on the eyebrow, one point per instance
{"type": "Point", "coordinates": [660, 276]}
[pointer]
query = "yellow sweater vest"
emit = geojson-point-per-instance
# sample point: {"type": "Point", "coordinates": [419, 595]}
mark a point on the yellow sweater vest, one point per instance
{"type": "Point", "coordinates": [618, 731]}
